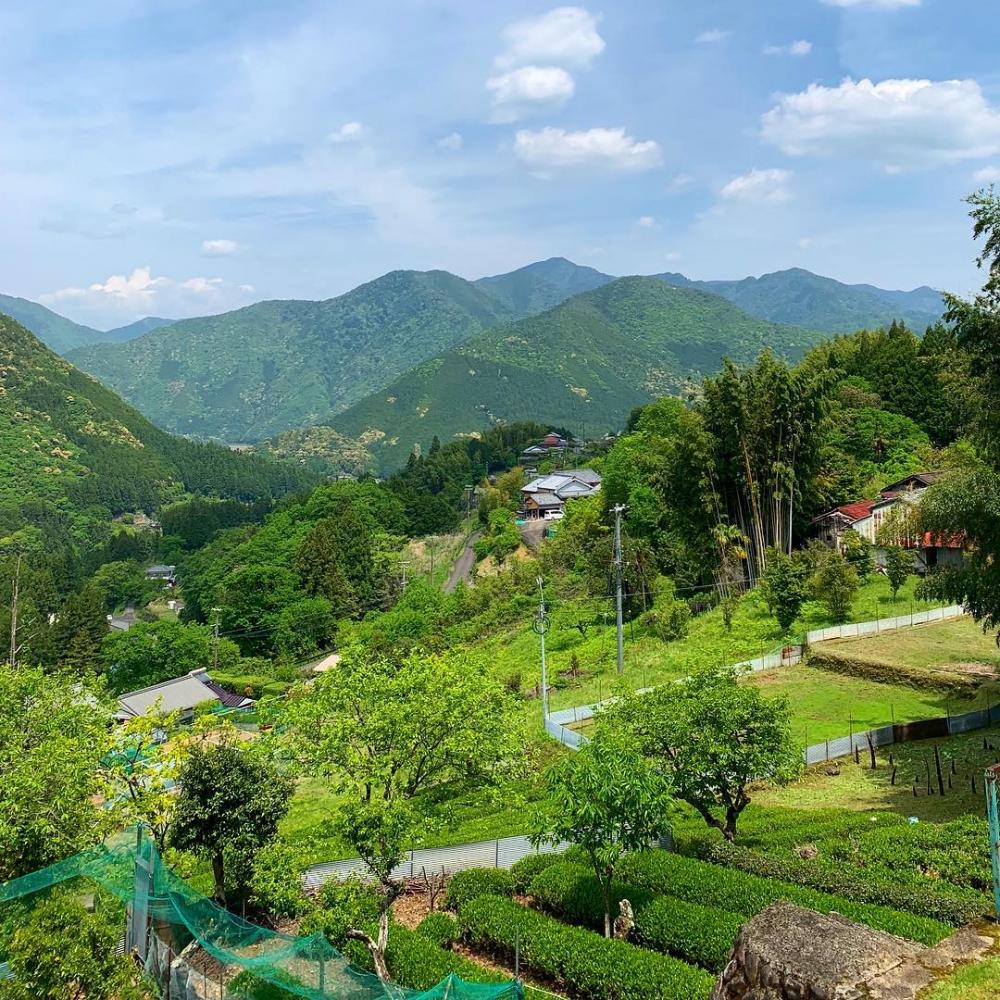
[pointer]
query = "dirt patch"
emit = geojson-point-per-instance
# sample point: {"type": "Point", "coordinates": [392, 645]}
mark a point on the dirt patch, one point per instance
{"type": "Point", "coordinates": [973, 668]}
{"type": "Point", "coordinates": [411, 908]}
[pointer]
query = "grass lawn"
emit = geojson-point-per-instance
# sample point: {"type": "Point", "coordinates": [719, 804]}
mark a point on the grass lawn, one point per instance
{"type": "Point", "coordinates": [858, 787]}
{"type": "Point", "coordinates": [940, 645]}
{"type": "Point", "coordinates": [650, 661]}
{"type": "Point", "coordinates": [826, 705]}
{"type": "Point", "coordinates": [980, 981]}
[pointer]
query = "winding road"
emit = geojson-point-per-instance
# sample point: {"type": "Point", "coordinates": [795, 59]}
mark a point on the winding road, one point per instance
{"type": "Point", "coordinates": [461, 571]}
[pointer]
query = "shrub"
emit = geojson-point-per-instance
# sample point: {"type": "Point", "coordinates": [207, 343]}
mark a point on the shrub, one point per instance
{"type": "Point", "coordinates": [669, 621]}
{"type": "Point", "coordinates": [441, 928]}
{"type": "Point", "coordinates": [888, 888]}
{"type": "Point", "coordinates": [885, 672]}
{"type": "Point", "coordinates": [525, 870]}
{"type": "Point", "coordinates": [276, 882]}
{"type": "Point", "coordinates": [698, 934]}
{"type": "Point", "coordinates": [477, 882]}
{"type": "Point", "coordinates": [745, 894]}
{"type": "Point", "coordinates": [590, 966]}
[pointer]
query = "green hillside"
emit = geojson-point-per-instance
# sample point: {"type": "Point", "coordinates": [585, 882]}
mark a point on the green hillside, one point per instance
{"type": "Point", "coordinates": [584, 364]}
{"type": "Point", "coordinates": [55, 331]}
{"type": "Point", "coordinates": [130, 331]}
{"type": "Point", "coordinates": [69, 444]}
{"type": "Point", "coordinates": [542, 285]}
{"type": "Point", "coordinates": [256, 372]}
{"type": "Point", "coordinates": [809, 300]}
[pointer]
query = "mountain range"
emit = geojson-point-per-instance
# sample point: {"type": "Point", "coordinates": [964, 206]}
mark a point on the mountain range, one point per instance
{"type": "Point", "coordinates": [368, 363]}
{"type": "Point", "coordinates": [69, 444]}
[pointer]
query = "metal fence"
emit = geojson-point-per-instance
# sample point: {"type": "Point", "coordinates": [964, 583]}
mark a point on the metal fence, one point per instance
{"type": "Point", "coordinates": [502, 853]}
{"type": "Point", "coordinates": [557, 723]}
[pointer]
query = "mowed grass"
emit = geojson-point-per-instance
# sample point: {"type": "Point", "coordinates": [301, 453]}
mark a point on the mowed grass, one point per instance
{"type": "Point", "coordinates": [826, 705]}
{"type": "Point", "coordinates": [858, 787]}
{"type": "Point", "coordinates": [939, 645]}
{"type": "Point", "coordinates": [650, 661]}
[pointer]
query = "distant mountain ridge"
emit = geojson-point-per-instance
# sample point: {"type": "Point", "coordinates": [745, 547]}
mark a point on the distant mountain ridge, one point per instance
{"type": "Point", "coordinates": [121, 334]}
{"type": "Point", "coordinates": [805, 299]}
{"type": "Point", "coordinates": [53, 330]}
{"type": "Point", "coordinates": [583, 364]}
{"type": "Point", "coordinates": [542, 285]}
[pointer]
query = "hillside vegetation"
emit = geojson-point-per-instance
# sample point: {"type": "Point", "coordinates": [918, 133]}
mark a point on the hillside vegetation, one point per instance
{"type": "Point", "coordinates": [68, 443]}
{"type": "Point", "coordinates": [256, 372]}
{"type": "Point", "coordinates": [55, 331]}
{"type": "Point", "coordinates": [542, 285]}
{"type": "Point", "coordinates": [585, 364]}
{"type": "Point", "coordinates": [805, 299]}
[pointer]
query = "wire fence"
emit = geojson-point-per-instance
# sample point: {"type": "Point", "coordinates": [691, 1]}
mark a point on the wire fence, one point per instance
{"type": "Point", "coordinates": [503, 852]}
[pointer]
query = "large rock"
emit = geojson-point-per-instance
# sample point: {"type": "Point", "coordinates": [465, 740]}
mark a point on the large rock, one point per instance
{"type": "Point", "coordinates": [790, 953]}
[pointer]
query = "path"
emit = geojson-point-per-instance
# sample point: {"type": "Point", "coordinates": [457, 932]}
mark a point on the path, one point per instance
{"type": "Point", "coordinates": [462, 570]}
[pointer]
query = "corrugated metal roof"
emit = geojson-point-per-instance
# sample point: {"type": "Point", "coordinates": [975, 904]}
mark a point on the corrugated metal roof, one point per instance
{"type": "Point", "coordinates": [178, 695]}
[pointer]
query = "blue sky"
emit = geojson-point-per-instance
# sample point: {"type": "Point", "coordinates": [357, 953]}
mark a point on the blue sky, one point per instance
{"type": "Point", "coordinates": [175, 157]}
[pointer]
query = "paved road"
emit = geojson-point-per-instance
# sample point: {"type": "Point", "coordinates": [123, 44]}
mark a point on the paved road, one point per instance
{"type": "Point", "coordinates": [462, 569]}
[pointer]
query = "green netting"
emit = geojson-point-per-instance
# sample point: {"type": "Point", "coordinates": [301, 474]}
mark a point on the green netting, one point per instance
{"type": "Point", "coordinates": [169, 922]}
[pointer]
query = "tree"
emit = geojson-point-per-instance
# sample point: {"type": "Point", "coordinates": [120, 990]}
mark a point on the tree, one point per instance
{"type": "Point", "coordinates": [150, 652]}
{"type": "Point", "coordinates": [78, 631]}
{"type": "Point", "coordinates": [898, 566]}
{"type": "Point", "coordinates": [783, 588]}
{"type": "Point", "coordinates": [385, 730]}
{"type": "Point", "coordinates": [859, 552]}
{"type": "Point", "coordinates": [53, 732]}
{"type": "Point", "coordinates": [121, 583]}
{"type": "Point", "coordinates": [231, 801]}
{"type": "Point", "coordinates": [835, 583]}
{"type": "Point", "coordinates": [609, 800]}
{"type": "Point", "coordinates": [715, 737]}
{"type": "Point", "coordinates": [62, 951]}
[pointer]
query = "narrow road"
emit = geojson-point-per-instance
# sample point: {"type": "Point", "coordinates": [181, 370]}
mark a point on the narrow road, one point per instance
{"type": "Point", "coordinates": [462, 569]}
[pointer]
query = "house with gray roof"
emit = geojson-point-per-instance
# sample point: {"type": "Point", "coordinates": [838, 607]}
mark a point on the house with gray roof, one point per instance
{"type": "Point", "coordinates": [546, 496]}
{"type": "Point", "coordinates": [182, 695]}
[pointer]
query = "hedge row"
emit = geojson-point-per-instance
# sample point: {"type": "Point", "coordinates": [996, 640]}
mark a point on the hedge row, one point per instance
{"type": "Point", "coordinates": [587, 965]}
{"type": "Point", "coordinates": [897, 889]}
{"type": "Point", "coordinates": [441, 928]}
{"type": "Point", "coordinates": [698, 934]}
{"type": "Point", "coordinates": [884, 672]}
{"type": "Point", "coordinates": [712, 885]}
{"type": "Point", "coordinates": [417, 963]}
{"type": "Point", "coordinates": [525, 870]}
{"type": "Point", "coordinates": [476, 882]}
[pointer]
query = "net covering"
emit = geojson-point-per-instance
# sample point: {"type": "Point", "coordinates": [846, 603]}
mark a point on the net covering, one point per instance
{"type": "Point", "coordinates": [176, 927]}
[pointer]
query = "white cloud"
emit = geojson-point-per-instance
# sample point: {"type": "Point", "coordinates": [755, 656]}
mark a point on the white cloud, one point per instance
{"type": "Point", "coordinates": [348, 132]}
{"type": "Point", "coordinates": [529, 90]}
{"type": "Point", "coordinates": [452, 141]}
{"type": "Point", "coordinates": [987, 175]}
{"type": "Point", "coordinates": [219, 248]}
{"type": "Point", "coordinates": [899, 123]}
{"type": "Point", "coordinates": [797, 48]}
{"type": "Point", "coordinates": [565, 36]}
{"type": "Point", "coordinates": [712, 36]}
{"type": "Point", "coordinates": [646, 222]}
{"type": "Point", "coordinates": [680, 182]}
{"type": "Point", "coordinates": [805, 242]}
{"type": "Point", "coordinates": [552, 148]}
{"type": "Point", "coordinates": [672, 255]}
{"type": "Point", "coordinates": [768, 186]}
{"type": "Point", "coordinates": [873, 4]}
{"type": "Point", "coordinates": [140, 293]}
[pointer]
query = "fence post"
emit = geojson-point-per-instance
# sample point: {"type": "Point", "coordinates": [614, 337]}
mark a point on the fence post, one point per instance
{"type": "Point", "coordinates": [496, 863]}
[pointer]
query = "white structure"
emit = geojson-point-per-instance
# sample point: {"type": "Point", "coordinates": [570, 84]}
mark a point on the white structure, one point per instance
{"type": "Point", "coordinates": [546, 496]}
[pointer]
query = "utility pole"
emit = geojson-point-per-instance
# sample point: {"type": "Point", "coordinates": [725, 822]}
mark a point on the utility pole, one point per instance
{"type": "Point", "coordinates": [619, 508]}
{"type": "Point", "coordinates": [215, 637]}
{"type": "Point", "coordinates": [14, 597]}
{"type": "Point", "coordinates": [541, 625]}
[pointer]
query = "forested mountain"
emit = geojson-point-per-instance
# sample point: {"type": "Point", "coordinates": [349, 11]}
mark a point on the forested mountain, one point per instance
{"type": "Point", "coordinates": [70, 447]}
{"type": "Point", "coordinates": [120, 334]}
{"type": "Point", "coordinates": [258, 371]}
{"type": "Point", "coordinates": [542, 285]}
{"type": "Point", "coordinates": [55, 331]}
{"type": "Point", "coordinates": [805, 299]}
{"type": "Point", "coordinates": [583, 364]}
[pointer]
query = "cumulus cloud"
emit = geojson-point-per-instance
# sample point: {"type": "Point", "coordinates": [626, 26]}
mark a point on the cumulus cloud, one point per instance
{"type": "Point", "coordinates": [900, 123]}
{"type": "Point", "coordinates": [219, 248]}
{"type": "Point", "coordinates": [987, 175]}
{"type": "Point", "coordinates": [712, 36]}
{"type": "Point", "coordinates": [124, 297]}
{"type": "Point", "coordinates": [611, 148]}
{"type": "Point", "coordinates": [565, 36]}
{"type": "Point", "coordinates": [873, 4]}
{"type": "Point", "coordinates": [452, 141]}
{"type": "Point", "coordinates": [348, 132]}
{"type": "Point", "coordinates": [646, 222]}
{"type": "Point", "coordinates": [529, 90]}
{"type": "Point", "coordinates": [767, 186]}
{"type": "Point", "coordinates": [797, 48]}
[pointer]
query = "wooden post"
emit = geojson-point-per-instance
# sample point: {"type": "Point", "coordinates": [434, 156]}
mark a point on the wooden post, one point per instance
{"type": "Point", "coordinates": [937, 768]}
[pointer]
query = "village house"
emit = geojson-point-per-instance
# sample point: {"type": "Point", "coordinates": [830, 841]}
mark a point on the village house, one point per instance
{"type": "Point", "coordinates": [866, 518]}
{"type": "Point", "coordinates": [180, 694]}
{"type": "Point", "coordinates": [546, 496]}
